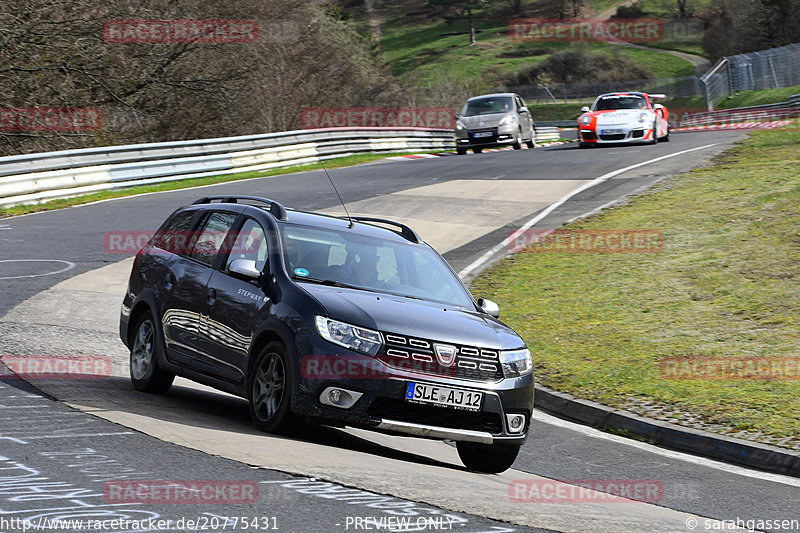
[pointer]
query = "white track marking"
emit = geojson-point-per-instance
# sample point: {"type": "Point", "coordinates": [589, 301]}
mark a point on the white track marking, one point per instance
{"type": "Point", "coordinates": [478, 263]}
{"type": "Point", "coordinates": [545, 418]}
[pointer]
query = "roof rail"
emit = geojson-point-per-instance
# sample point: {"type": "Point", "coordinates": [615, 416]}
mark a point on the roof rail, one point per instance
{"type": "Point", "coordinates": [405, 231]}
{"type": "Point", "coordinates": [277, 210]}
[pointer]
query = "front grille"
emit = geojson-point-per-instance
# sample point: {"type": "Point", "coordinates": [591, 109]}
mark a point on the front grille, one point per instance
{"type": "Point", "coordinates": [431, 415]}
{"type": "Point", "coordinates": [472, 363]}
{"type": "Point", "coordinates": [637, 134]}
{"type": "Point", "coordinates": [615, 137]}
{"type": "Point", "coordinates": [587, 135]}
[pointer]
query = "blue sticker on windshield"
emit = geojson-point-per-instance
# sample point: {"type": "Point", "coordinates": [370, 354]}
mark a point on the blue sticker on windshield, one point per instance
{"type": "Point", "coordinates": [301, 272]}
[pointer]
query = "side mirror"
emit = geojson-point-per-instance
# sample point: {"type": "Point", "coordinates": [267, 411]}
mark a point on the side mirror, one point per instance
{"type": "Point", "coordinates": [658, 107]}
{"type": "Point", "coordinates": [245, 269]}
{"type": "Point", "coordinates": [523, 109]}
{"type": "Point", "coordinates": [457, 116]}
{"type": "Point", "coordinates": [585, 109]}
{"type": "Point", "coordinates": [489, 307]}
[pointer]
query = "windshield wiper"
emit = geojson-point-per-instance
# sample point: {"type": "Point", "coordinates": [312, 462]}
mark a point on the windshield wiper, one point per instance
{"type": "Point", "coordinates": [330, 283]}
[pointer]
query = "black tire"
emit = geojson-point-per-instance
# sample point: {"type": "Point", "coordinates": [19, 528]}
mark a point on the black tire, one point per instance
{"type": "Point", "coordinates": [477, 150]}
{"type": "Point", "coordinates": [517, 144]}
{"type": "Point", "coordinates": [461, 151]}
{"type": "Point", "coordinates": [269, 391]}
{"type": "Point", "coordinates": [655, 134]}
{"type": "Point", "coordinates": [146, 375]}
{"type": "Point", "coordinates": [666, 137]}
{"type": "Point", "coordinates": [531, 143]}
{"type": "Point", "coordinates": [584, 145]}
{"type": "Point", "coordinates": [487, 458]}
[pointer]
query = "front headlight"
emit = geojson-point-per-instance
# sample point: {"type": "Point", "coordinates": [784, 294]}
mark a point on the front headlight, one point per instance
{"type": "Point", "coordinates": [586, 120]}
{"type": "Point", "coordinates": [460, 126]}
{"type": "Point", "coordinates": [516, 363]}
{"type": "Point", "coordinates": [642, 117]}
{"type": "Point", "coordinates": [353, 337]}
{"type": "Point", "coordinates": [510, 119]}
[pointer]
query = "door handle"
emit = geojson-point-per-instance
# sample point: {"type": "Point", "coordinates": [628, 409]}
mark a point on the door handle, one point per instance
{"type": "Point", "coordinates": [211, 296]}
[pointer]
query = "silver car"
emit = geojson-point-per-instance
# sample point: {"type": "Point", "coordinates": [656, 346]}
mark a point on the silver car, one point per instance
{"type": "Point", "coordinates": [494, 120]}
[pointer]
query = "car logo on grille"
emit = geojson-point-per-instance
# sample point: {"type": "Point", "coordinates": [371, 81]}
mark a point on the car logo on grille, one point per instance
{"type": "Point", "coordinates": [483, 123]}
{"type": "Point", "coordinates": [445, 354]}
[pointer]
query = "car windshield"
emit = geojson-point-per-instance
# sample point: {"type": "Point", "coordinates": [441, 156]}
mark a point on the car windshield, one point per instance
{"type": "Point", "coordinates": [347, 259]}
{"type": "Point", "coordinates": [607, 103]}
{"type": "Point", "coordinates": [488, 106]}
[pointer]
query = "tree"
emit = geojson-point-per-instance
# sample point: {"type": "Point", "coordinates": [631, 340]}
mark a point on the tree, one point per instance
{"type": "Point", "coordinates": [461, 8]}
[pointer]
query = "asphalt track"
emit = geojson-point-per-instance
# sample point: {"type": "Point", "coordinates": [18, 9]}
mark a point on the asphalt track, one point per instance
{"type": "Point", "coordinates": [464, 206]}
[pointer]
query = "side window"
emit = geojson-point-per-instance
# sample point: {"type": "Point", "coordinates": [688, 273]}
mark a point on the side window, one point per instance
{"type": "Point", "coordinates": [175, 236]}
{"type": "Point", "coordinates": [250, 243]}
{"type": "Point", "coordinates": [209, 240]}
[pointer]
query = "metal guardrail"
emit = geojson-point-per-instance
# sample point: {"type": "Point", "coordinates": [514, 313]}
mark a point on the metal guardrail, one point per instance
{"type": "Point", "coordinates": [36, 178]}
{"type": "Point", "coordinates": [779, 111]}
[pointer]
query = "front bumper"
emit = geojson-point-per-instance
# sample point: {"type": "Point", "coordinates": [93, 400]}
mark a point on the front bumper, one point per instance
{"type": "Point", "coordinates": [486, 137]}
{"type": "Point", "coordinates": [381, 399]}
{"type": "Point", "coordinates": [617, 134]}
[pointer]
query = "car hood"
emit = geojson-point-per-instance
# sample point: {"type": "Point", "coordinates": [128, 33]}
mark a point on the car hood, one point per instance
{"type": "Point", "coordinates": [483, 121]}
{"type": "Point", "coordinates": [620, 117]}
{"type": "Point", "coordinates": [415, 318]}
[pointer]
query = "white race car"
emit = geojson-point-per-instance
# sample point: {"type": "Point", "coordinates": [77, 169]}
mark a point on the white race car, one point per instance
{"type": "Point", "coordinates": [623, 118]}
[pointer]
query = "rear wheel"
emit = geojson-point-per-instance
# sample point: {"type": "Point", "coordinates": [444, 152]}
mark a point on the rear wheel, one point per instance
{"type": "Point", "coordinates": [269, 391]}
{"type": "Point", "coordinates": [461, 151]}
{"type": "Point", "coordinates": [487, 458]}
{"type": "Point", "coordinates": [655, 134]}
{"type": "Point", "coordinates": [477, 150]}
{"type": "Point", "coordinates": [666, 137]}
{"type": "Point", "coordinates": [146, 375]}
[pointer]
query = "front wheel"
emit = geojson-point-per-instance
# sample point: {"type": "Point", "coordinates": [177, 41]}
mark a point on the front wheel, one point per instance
{"type": "Point", "coordinates": [531, 143]}
{"type": "Point", "coordinates": [477, 150]}
{"type": "Point", "coordinates": [461, 151]}
{"type": "Point", "coordinates": [268, 391]}
{"type": "Point", "coordinates": [146, 375]}
{"type": "Point", "coordinates": [487, 458]}
{"type": "Point", "coordinates": [655, 134]}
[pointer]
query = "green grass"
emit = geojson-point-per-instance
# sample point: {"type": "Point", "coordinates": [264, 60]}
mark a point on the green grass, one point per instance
{"type": "Point", "coordinates": [726, 284]}
{"type": "Point", "coordinates": [185, 184]}
{"type": "Point", "coordinates": [416, 51]}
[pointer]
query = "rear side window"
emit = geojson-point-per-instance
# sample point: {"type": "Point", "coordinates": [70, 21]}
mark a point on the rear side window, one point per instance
{"type": "Point", "coordinates": [175, 236]}
{"type": "Point", "coordinates": [209, 239]}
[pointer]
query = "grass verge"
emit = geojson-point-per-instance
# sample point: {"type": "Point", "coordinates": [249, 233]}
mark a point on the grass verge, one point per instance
{"type": "Point", "coordinates": [725, 285]}
{"type": "Point", "coordinates": [186, 184]}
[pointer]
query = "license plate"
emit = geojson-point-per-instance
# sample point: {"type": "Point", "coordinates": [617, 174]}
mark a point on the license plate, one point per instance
{"type": "Point", "coordinates": [483, 134]}
{"type": "Point", "coordinates": [444, 396]}
{"type": "Point", "coordinates": [611, 132]}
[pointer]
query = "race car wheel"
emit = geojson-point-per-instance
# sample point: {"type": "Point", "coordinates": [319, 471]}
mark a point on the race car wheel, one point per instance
{"type": "Point", "coordinates": [461, 151]}
{"type": "Point", "coordinates": [517, 145]}
{"type": "Point", "coordinates": [666, 137]}
{"type": "Point", "coordinates": [655, 134]}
